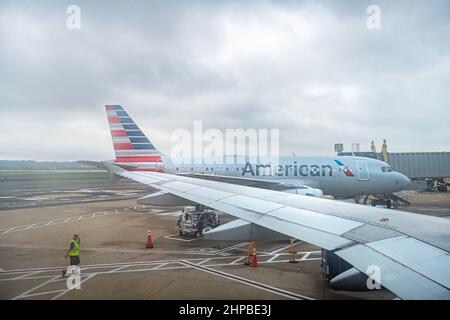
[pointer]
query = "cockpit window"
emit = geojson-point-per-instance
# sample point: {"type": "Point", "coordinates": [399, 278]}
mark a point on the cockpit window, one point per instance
{"type": "Point", "coordinates": [386, 169]}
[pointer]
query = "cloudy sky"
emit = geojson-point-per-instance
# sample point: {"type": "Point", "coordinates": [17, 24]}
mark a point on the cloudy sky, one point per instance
{"type": "Point", "coordinates": [310, 68]}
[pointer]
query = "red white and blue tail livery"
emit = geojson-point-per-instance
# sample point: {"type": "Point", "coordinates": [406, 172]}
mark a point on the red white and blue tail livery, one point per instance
{"type": "Point", "coordinates": [133, 149]}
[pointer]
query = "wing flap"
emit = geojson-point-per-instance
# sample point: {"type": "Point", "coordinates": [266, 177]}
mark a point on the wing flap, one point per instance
{"type": "Point", "coordinates": [401, 280]}
{"type": "Point", "coordinates": [432, 262]}
{"type": "Point", "coordinates": [319, 221]}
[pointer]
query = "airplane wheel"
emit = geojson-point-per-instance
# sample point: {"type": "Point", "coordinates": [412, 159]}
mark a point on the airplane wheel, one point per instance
{"type": "Point", "coordinates": [206, 230]}
{"type": "Point", "coordinates": [389, 203]}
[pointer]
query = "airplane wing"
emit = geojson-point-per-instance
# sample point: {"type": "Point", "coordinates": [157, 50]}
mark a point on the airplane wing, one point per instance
{"type": "Point", "coordinates": [411, 250]}
{"type": "Point", "coordinates": [245, 181]}
{"type": "Point", "coordinates": [278, 185]}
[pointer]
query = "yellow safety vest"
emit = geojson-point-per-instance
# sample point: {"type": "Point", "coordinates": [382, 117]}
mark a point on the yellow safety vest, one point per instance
{"type": "Point", "coordinates": [76, 249]}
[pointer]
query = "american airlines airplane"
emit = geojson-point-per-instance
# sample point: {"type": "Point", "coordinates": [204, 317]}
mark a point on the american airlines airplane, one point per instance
{"type": "Point", "coordinates": [341, 177]}
{"type": "Point", "coordinates": [404, 252]}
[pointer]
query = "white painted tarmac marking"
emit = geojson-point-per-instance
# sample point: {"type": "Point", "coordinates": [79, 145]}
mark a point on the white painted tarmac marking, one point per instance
{"type": "Point", "coordinates": [299, 252]}
{"type": "Point", "coordinates": [172, 237]}
{"type": "Point", "coordinates": [203, 261]}
{"type": "Point", "coordinates": [56, 221]}
{"type": "Point", "coordinates": [24, 294]}
{"type": "Point", "coordinates": [238, 259]}
{"type": "Point", "coordinates": [171, 213]}
{"type": "Point", "coordinates": [284, 248]}
{"type": "Point", "coordinates": [25, 275]}
{"type": "Point", "coordinates": [119, 271]}
{"type": "Point", "coordinates": [120, 268]}
{"type": "Point", "coordinates": [26, 278]}
{"type": "Point", "coordinates": [149, 262]}
{"type": "Point", "coordinates": [159, 266]}
{"type": "Point", "coordinates": [129, 264]}
{"type": "Point", "coordinates": [249, 282]}
{"type": "Point", "coordinates": [10, 229]}
{"type": "Point", "coordinates": [42, 293]}
{"type": "Point", "coordinates": [67, 290]}
{"type": "Point", "coordinates": [154, 210]}
{"type": "Point", "coordinates": [149, 269]}
{"type": "Point", "coordinates": [236, 246]}
{"type": "Point", "coordinates": [305, 256]}
{"type": "Point", "coordinates": [311, 259]}
{"type": "Point", "coordinates": [273, 258]}
{"type": "Point", "coordinates": [102, 265]}
{"type": "Point", "coordinates": [71, 219]}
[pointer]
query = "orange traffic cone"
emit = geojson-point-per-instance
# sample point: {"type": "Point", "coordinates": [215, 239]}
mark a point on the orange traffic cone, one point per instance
{"type": "Point", "coordinates": [253, 259]}
{"type": "Point", "coordinates": [149, 240]}
{"type": "Point", "coordinates": [249, 252]}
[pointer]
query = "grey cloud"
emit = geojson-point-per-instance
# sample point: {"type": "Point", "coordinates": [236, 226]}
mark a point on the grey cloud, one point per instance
{"type": "Point", "coordinates": [310, 68]}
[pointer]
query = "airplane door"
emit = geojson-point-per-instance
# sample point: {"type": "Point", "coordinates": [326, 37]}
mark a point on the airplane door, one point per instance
{"type": "Point", "coordinates": [363, 170]}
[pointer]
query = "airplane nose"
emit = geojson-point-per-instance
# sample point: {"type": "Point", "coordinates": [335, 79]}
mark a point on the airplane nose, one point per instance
{"type": "Point", "coordinates": [404, 181]}
{"type": "Point", "coordinates": [401, 181]}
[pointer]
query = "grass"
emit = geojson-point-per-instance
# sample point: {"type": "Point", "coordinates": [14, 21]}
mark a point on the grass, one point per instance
{"type": "Point", "coordinates": [31, 175]}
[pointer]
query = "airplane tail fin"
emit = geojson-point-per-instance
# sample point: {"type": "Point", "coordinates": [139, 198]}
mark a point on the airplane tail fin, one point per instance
{"type": "Point", "coordinates": [133, 149]}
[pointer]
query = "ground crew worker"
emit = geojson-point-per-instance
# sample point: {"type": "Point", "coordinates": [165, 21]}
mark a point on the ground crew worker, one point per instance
{"type": "Point", "coordinates": [373, 148]}
{"type": "Point", "coordinates": [74, 250]}
{"type": "Point", "coordinates": [384, 153]}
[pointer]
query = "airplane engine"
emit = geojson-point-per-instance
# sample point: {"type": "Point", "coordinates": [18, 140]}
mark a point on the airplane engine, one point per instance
{"type": "Point", "coordinates": [163, 199]}
{"type": "Point", "coordinates": [341, 274]}
{"type": "Point", "coordinates": [350, 280]}
{"type": "Point", "coordinates": [306, 191]}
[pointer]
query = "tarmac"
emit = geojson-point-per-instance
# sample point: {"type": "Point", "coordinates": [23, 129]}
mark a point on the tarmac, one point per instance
{"type": "Point", "coordinates": [116, 265]}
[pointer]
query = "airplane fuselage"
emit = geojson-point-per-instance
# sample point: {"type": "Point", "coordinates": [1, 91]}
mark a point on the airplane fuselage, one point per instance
{"type": "Point", "coordinates": [337, 176]}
